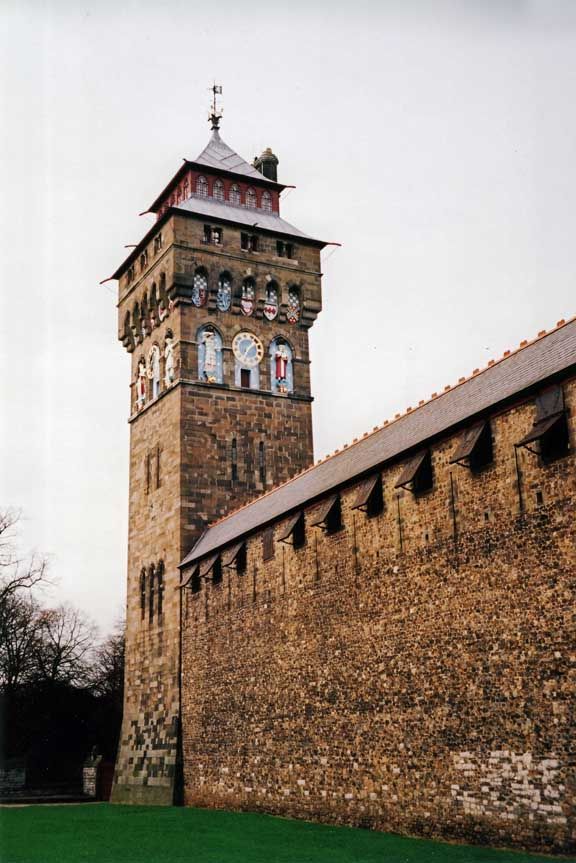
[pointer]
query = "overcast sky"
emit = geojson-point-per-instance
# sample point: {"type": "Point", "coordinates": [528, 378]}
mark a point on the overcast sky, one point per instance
{"type": "Point", "coordinates": [437, 144]}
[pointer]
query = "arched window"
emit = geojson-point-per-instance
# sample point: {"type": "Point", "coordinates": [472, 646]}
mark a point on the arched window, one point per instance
{"type": "Point", "coordinates": [209, 355]}
{"type": "Point", "coordinates": [266, 202]}
{"type": "Point", "coordinates": [224, 295]}
{"type": "Point", "coordinates": [218, 190]}
{"type": "Point", "coordinates": [136, 330]}
{"type": "Point", "coordinates": [250, 198]}
{"type": "Point", "coordinates": [154, 370]}
{"type": "Point", "coordinates": [281, 368]}
{"type": "Point", "coordinates": [248, 352]}
{"type": "Point", "coordinates": [143, 594]}
{"type": "Point", "coordinates": [153, 308]}
{"type": "Point", "coordinates": [293, 310]}
{"type": "Point", "coordinates": [202, 187]}
{"type": "Point", "coordinates": [200, 287]}
{"type": "Point", "coordinates": [234, 195]}
{"type": "Point", "coordinates": [151, 589]}
{"type": "Point", "coordinates": [144, 324]}
{"type": "Point", "coordinates": [271, 304]}
{"type": "Point", "coordinates": [162, 299]}
{"type": "Point", "coordinates": [248, 296]}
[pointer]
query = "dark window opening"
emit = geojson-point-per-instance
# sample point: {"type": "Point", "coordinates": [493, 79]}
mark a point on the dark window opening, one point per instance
{"type": "Point", "coordinates": [268, 549]}
{"type": "Point", "coordinates": [244, 242]}
{"type": "Point", "coordinates": [289, 250]}
{"type": "Point", "coordinates": [196, 581]}
{"type": "Point", "coordinates": [207, 238]}
{"type": "Point", "coordinates": [249, 242]}
{"type": "Point", "coordinates": [158, 467]}
{"type": "Point", "coordinates": [370, 498]}
{"type": "Point", "coordinates": [148, 472]}
{"type": "Point", "coordinates": [241, 560]}
{"type": "Point", "coordinates": [160, 589]}
{"type": "Point", "coordinates": [151, 595]}
{"type": "Point", "coordinates": [234, 459]}
{"type": "Point", "coordinates": [329, 515]}
{"type": "Point", "coordinates": [262, 462]}
{"type": "Point", "coordinates": [217, 236]}
{"type": "Point", "coordinates": [245, 379]}
{"type": "Point", "coordinates": [142, 594]}
{"type": "Point", "coordinates": [217, 571]}
{"type": "Point", "coordinates": [280, 249]}
{"type": "Point", "coordinates": [418, 475]}
{"type": "Point", "coordinates": [539, 498]}
{"type": "Point", "coordinates": [475, 448]}
{"type": "Point", "coordinates": [299, 533]}
{"type": "Point", "coordinates": [554, 443]}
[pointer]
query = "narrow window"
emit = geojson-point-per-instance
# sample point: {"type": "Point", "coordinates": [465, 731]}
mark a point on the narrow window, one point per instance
{"type": "Point", "coordinates": [217, 571]}
{"type": "Point", "coordinates": [244, 242]}
{"type": "Point", "coordinates": [241, 560]}
{"type": "Point", "coordinates": [329, 515]}
{"type": "Point", "coordinates": [196, 581]}
{"type": "Point", "coordinates": [143, 594]}
{"type": "Point", "coordinates": [207, 236]}
{"type": "Point", "coordinates": [417, 475]}
{"type": "Point", "coordinates": [160, 579]}
{"type": "Point", "coordinates": [253, 243]}
{"type": "Point", "coordinates": [158, 467]}
{"type": "Point", "coordinates": [250, 198]}
{"type": "Point", "coordinates": [202, 187]}
{"type": "Point", "coordinates": [152, 580]}
{"type": "Point", "coordinates": [218, 190]}
{"type": "Point", "coordinates": [369, 498]}
{"type": "Point", "coordinates": [148, 471]}
{"type": "Point", "coordinates": [266, 202]}
{"type": "Point", "coordinates": [245, 379]}
{"type": "Point", "coordinates": [234, 459]}
{"type": "Point", "coordinates": [280, 249]}
{"type": "Point", "coordinates": [268, 544]}
{"type": "Point", "coordinates": [289, 250]}
{"type": "Point", "coordinates": [234, 195]}
{"type": "Point", "coordinates": [299, 533]}
{"type": "Point", "coordinates": [262, 462]}
{"type": "Point", "coordinates": [217, 236]}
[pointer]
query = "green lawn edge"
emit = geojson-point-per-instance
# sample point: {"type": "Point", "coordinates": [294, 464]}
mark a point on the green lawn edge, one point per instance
{"type": "Point", "coordinates": [105, 833]}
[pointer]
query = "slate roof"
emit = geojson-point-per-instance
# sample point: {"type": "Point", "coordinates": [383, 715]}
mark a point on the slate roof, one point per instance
{"type": "Point", "coordinates": [222, 210]}
{"type": "Point", "coordinates": [551, 354]}
{"type": "Point", "coordinates": [218, 154]}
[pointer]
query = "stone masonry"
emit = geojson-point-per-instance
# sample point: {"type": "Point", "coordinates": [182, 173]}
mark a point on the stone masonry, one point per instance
{"type": "Point", "coordinates": [412, 672]}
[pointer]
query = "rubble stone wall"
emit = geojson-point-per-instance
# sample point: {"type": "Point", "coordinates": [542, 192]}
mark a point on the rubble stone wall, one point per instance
{"type": "Point", "coordinates": [413, 672]}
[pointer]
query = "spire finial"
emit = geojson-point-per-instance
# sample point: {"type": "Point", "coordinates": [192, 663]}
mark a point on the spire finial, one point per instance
{"type": "Point", "coordinates": [216, 115]}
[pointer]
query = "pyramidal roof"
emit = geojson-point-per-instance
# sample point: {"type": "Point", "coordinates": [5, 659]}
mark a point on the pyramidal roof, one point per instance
{"type": "Point", "coordinates": [218, 154]}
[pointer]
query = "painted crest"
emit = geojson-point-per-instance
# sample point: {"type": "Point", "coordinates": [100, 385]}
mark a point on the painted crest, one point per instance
{"type": "Point", "coordinates": [224, 295]}
{"type": "Point", "coordinates": [271, 305]}
{"type": "Point", "coordinates": [293, 311]}
{"type": "Point", "coordinates": [247, 306]}
{"type": "Point", "coordinates": [200, 290]}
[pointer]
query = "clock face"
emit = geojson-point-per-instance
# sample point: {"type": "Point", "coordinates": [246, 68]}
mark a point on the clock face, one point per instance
{"type": "Point", "coordinates": [248, 349]}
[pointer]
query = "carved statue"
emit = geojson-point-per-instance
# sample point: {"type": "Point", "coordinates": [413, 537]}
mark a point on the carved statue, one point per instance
{"type": "Point", "coordinates": [281, 359]}
{"type": "Point", "coordinates": [168, 361]}
{"type": "Point", "coordinates": [154, 370]}
{"type": "Point", "coordinates": [141, 384]}
{"type": "Point", "coordinates": [210, 357]}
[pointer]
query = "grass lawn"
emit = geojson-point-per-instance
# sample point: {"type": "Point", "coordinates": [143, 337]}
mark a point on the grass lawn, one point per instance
{"type": "Point", "coordinates": [101, 833]}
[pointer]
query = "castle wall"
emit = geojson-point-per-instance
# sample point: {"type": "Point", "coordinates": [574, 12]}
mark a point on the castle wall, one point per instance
{"type": "Point", "coordinates": [412, 672]}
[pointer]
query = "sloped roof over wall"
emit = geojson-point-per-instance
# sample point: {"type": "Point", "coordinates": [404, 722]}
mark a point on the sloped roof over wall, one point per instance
{"type": "Point", "coordinates": [217, 154]}
{"type": "Point", "coordinates": [549, 355]}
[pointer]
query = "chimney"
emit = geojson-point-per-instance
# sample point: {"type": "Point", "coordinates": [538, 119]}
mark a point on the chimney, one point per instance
{"type": "Point", "coordinates": [267, 164]}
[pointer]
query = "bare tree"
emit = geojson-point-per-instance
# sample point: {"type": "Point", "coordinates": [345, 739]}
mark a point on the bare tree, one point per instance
{"type": "Point", "coordinates": [17, 573]}
{"type": "Point", "coordinates": [66, 640]}
{"type": "Point", "coordinates": [19, 640]}
{"type": "Point", "coordinates": [108, 664]}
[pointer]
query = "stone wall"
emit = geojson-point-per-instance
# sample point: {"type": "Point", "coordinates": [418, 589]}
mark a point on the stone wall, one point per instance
{"type": "Point", "coordinates": [412, 672]}
{"type": "Point", "coordinates": [180, 462]}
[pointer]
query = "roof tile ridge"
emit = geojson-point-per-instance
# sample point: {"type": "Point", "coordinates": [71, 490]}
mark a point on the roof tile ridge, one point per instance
{"type": "Point", "coordinates": [525, 343]}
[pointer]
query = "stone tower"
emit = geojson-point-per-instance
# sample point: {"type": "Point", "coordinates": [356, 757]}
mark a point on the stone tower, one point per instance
{"type": "Point", "coordinates": [215, 303]}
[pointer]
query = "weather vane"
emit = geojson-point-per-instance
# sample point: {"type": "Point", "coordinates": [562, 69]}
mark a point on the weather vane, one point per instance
{"type": "Point", "coordinates": [217, 112]}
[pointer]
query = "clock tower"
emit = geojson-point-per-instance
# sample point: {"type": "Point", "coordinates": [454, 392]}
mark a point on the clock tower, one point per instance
{"type": "Point", "coordinates": [215, 304]}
